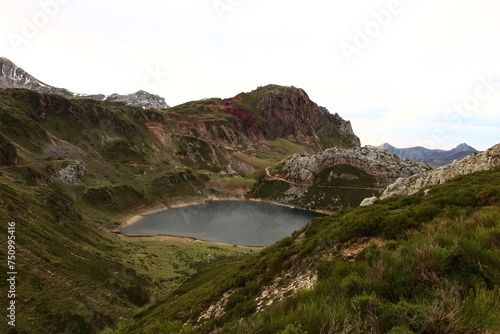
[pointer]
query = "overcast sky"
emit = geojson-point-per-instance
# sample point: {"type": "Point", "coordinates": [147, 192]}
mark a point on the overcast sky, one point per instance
{"type": "Point", "coordinates": [411, 73]}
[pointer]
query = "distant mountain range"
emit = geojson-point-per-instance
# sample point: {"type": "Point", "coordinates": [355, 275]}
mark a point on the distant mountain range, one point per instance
{"type": "Point", "coordinates": [12, 76]}
{"type": "Point", "coordinates": [434, 157]}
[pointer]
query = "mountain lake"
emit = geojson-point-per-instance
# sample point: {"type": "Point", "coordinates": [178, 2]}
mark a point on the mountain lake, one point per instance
{"type": "Point", "coordinates": [245, 223]}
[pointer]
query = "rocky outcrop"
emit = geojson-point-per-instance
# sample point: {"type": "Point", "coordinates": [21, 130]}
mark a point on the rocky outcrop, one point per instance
{"type": "Point", "coordinates": [303, 168]}
{"type": "Point", "coordinates": [242, 166]}
{"type": "Point", "coordinates": [12, 76]}
{"type": "Point", "coordinates": [368, 201]}
{"type": "Point", "coordinates": [486, 160]}
{"type": "Point", "coordinates": [70, 174]}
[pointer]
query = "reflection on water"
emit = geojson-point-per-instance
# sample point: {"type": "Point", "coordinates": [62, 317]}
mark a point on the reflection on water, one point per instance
{"type": "Point", "coordinates": [230, 222]}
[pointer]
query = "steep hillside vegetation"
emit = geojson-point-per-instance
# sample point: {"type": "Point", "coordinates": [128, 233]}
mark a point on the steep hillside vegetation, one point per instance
{"type": "Point", "coordinates": [420, 264]}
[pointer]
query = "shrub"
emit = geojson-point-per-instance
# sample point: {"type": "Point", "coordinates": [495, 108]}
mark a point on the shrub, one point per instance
{"type": "Point", "coordinates": [481, 310]}
{"type": "Point", "coordinates": [352, 284]}
{"type": "Point", "coordinates": [293, 329]}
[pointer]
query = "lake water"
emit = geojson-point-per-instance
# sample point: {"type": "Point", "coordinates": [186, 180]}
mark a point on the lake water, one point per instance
{"type": "Point", "coordinates": [243, 223]}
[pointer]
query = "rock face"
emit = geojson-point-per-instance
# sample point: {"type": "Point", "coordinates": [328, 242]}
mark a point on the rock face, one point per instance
{"type": "Point", "coordinates": [70, 174]}
{"type": "Point", "coordinates": [12, 76]}
{"type": "Point", "coordinates": [434, 157]}
{"type": "Point", "coordinates": [273, 111]}
{"type": "Point", "coordinates": [302, 167]}
{"type": "Point", "coordinates": [470, 164]}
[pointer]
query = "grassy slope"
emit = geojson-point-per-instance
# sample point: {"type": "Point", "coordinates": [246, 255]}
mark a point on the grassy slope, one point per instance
{"type": "Point", "coordinates": [435, 269]}
{"type": "Point", "coordinates": [73, 275]}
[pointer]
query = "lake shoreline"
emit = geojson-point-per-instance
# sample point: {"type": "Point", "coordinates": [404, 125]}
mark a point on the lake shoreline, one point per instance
{"type": "Point", "coordinates": [177, 238]}
{"type": "Point", "coordinates": [135, 217]}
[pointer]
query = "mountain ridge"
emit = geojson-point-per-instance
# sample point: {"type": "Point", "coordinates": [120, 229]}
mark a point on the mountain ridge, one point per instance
{"type": "Point", "coordinates": [12, 76]}
{"type": "Point", "coordinates": [436, 157]}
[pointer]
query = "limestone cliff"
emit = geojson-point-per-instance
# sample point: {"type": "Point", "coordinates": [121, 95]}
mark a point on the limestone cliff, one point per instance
{"type": "Point", "coordinates": [473, 163]}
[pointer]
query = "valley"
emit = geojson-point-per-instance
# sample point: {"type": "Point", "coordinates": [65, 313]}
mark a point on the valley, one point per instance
{"type": "Point", "coordinates": [75, 171]}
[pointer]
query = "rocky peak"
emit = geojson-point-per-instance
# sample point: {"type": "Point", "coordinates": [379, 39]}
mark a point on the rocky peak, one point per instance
{"type": "Point", "coordinates": [276, 111]}
{"type": "Point", "coordinates": [140, 99]}
{"type": "Point", "coordinates": [464, 148]}
{"type": "Point", "coordinates": [296, 102]}
{"type": "Point", "coordinates": [387, 146]}
{"type": "Point", "coordinates": [12, 76]}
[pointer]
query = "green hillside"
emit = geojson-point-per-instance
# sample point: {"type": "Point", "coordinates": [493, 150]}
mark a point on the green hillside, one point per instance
{"type": "Point", "coordinates": [72, 171]}
{"type": "Point", "coordinates": [420, 264]}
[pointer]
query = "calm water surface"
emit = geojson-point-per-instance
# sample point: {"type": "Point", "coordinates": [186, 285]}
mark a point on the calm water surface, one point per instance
{"type": "Point", "coordinates": [231, 222]}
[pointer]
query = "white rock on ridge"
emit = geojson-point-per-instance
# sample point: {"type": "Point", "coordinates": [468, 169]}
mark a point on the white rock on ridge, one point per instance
{"type": "Point", "coordinates": [486, 160]}
{"type": "Point", "coordinates": [304, 167]}
{"type": "Point", "coordinates": [140, 99]}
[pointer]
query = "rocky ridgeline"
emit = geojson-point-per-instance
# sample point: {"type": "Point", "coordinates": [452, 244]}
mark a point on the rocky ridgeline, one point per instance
{"type": "Point", "coordinates": [12, 76]}
{"type": "Point", "coordinates": [486, 160]}
{"type": "Point", "coordinates": [303, 167]}
{"type": "Point", "coordinates": [271, 112]}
